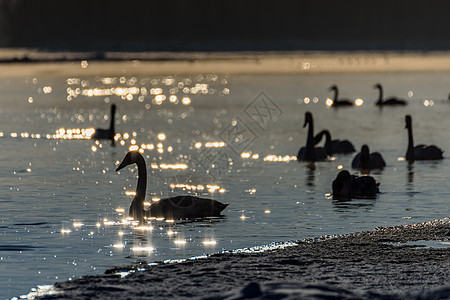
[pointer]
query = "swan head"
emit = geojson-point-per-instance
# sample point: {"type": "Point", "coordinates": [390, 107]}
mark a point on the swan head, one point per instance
{"type": "Point", "coordinates": [129, 159]}
{"type": "Point", "coordinates": [333, 88]}
{"type": "Point", "coordinates": [308, 118]}
{"type": "Point", "coordinates": [408, 121]}
{"type": "Point", "coordinates": [365, 150]}
{"type": "Point", "coordinates": [377, 86]}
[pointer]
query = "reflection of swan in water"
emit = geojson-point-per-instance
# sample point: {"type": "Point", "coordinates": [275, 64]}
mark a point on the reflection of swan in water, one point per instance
{"type": "Point", "coordinates": [309, 152]}
{"type": "Point", "coordinates": [347, 186]}
{"type": "Point", "coordinates": [334, 146]}
{"type": "Point", "coordinates": [336, 100]}
{"type": "Point", "coordinates": [106, 134]}
{"type": "Point", "coordinates": [420, 152]}
{"type": "Point", "coordinates": [368, 161]}
{"type": "Point", "coordinates": [179, 207]}
{"type": "Point", "coordinates": [390, 101]}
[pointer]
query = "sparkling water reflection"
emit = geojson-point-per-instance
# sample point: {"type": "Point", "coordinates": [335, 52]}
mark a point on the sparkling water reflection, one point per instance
{"type": "Point", "coordinates": [64, 209]}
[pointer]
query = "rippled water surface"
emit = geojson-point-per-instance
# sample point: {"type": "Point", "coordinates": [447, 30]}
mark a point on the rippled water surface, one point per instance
{"type": "Point", "coordinates": [231, 138]}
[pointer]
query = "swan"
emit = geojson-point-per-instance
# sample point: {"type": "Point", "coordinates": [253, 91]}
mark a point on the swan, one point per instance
{"type": "Point", "coordinates": [334, 146]}
{"type": "Point", "coordinates": [420, 152]}
{"type": "Point", "coordinates": [178, 207]}
{"type": "Point", "coordinates": [389, 101]}
{"type": "Point", "coordinates": [336, 100]}
{"type": "Point", "coordinates": [106, 134]}
{"type": "Point", "coordinates": [309, 152]}
{"type": "Point", "coordinates": [367, 161]}
{"type": "Point", "coordinates": [347, 186]}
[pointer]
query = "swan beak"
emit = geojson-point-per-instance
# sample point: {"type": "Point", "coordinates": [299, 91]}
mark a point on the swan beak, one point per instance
{"type": "Point", "coordinates": [121, 166]}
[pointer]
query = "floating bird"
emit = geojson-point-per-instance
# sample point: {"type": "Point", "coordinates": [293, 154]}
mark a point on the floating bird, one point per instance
{"type": "Point", "coordinates": [334, 146]}
{"type": "Point", "coordinates": [420, 152]}
{"type": "Point", "coordinates": [347, 186]}
{"type": "Point", "coordinates": [106, 134]}
{"type": "Point", "coordinates": [367, 161]}
{"type": "Point", "coordinates": [336, 100]}
{"type": "Point", "coordinates": [389, 101]}
{"type": "Point", "coordinates": [179, 207]}
{"type": "Point", "coordinates": [309, 152]}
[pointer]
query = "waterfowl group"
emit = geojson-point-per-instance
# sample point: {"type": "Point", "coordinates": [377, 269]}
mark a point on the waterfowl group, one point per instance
{"type": "Point", "coordinates": [347, 186]}
{"type": "Point", "coordinates": [179, 207]}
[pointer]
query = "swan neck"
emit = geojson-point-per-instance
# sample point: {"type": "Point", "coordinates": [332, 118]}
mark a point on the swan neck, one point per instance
{"type": "Point", "coordinates": [310, 138]}
{"type": "Point", "coordinates": [328, 147]}
{"type": "Point", "coordinates": [336, 94]}
{"type": "Point", "coordinates": [142, 179]}
{"type": "Point", "coordinates": [410, 151]}
{"type": "Point", "coordinates": [380, 97]}
{"type": "Point", "coordinates": [111, 122]}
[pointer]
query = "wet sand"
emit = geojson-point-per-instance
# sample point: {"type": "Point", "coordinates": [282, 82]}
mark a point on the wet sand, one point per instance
{"type": "Point", "coordinates": [362, 265]}
{"type": "Point", "coordinates": [25, 62]}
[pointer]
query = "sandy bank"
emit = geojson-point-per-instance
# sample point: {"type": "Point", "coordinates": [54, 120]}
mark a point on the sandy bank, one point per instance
{"type": "Point", "coordinates": [21, 63]}
{"type": "Point", "coordinates": [362, 265]}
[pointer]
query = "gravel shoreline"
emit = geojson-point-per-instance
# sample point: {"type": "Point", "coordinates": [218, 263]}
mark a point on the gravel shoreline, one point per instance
{"type": "Point", "coordinates": [364, 265]}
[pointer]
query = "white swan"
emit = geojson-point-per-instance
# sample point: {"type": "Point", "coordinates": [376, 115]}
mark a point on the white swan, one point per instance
{"type": "Point", "coordinates": [419, 152]}
{"type": "Point", "coordinates": [107, 134]}
{"type": "Point", "coordinates": [389, 101]}
{"type": "Point", "coordinates": [179, 207]}
{"type": "Point", "coordinates": [309, 152]}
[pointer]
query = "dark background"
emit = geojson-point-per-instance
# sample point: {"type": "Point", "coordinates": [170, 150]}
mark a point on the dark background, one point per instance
{"type": "Point", "coordinates": [207, 25]}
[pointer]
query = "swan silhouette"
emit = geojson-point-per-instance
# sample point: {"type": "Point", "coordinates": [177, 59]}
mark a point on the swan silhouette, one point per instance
{"type": "Point", "coordinates": [309, 152]}
{"type": "Point", "coordinates": [334, 146]}
{"type": "Point", "coordinates": [106, 134]}
{"type": "Point", "coordinates": [178, 207]}
{"type": "Point", "coordinates": [420, 152]}
{"type": "Point", "coordinates": [347, 186]}
{"type": "Point", "coordinates": [368, 161]}
{"type": "Point", "coordinates": [389, 101]}
{"type": "Point", "coordinates": [336, 100]}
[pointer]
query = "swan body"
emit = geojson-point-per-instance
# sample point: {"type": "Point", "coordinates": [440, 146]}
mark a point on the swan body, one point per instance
{"type": "Point", "coordinates": [420, 152]}
{"type": "Point", "coordinates": [178, 207]}
{"type": "Point", "coordinates": [336, 100]}
{"type": "Point", "coordinates": [368, 161]}
{"type": "Point", "coordinates": [309, 152]}
{"type": "Point", "coordinates": [334, 146]}
{"type": "Point", "coordinates": [347, 186]}
{"type": "Point", "coordinates": [389, 101]}
{"type": "Point", "coordinates": [106, 134]}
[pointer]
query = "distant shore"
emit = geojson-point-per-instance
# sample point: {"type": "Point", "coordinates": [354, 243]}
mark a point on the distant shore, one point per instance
{"type": "Point", "coordinates": [26, 62]}
{"type": "Point", "coordinates": [365, 265]}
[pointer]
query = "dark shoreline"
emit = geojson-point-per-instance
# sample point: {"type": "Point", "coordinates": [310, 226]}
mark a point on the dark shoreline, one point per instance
{"type": "Point", "coordinates": [363, 265]}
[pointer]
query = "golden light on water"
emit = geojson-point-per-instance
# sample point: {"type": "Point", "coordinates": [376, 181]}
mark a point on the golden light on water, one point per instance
{"type": "Point", "coordinates": [401, 158]}
{"type": "Point", "coordinates": [186, 101]}
{"type": "Point", "coordinates": [144, 228]}
{"type": "Point", "coordinates": [130, 193]}
{"type": "Point", "coordinates": [359, 102]}
{"type": "Point", "coordinates": [215, 144]}
{"type": "Point", "coordinates": [276, 158]}
{"type": "Point", "coordinates": [209, 242]}
{"type": "Point", "coordinates": [329, 102]}
{"type": "Point", "coordinates": [77, 224]}
{"type": "Point", "coordinates": [66, 231]}
{"type": "Point", "coordinates": [267, 211]}
{"type": "Point", "coordinates": [427, 103]}
{"type": "Point", "coordinates": [340, 167]}
{"type": "Point", "coordinates": [119, 246]}
{"type": "Point", "coordinates": [180, 242]}
{"type": "Point", "coordinates": [143, 249]}
{"type": "Point", "coordinates": [120, 210]}
{"type": "Point", "coordinates": [161, 136]}
{"type": "Point", "coordinates": [173, 166]}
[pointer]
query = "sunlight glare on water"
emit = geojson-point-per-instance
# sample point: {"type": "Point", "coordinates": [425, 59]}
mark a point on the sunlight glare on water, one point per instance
{"type": "Point", "coordinates": [230, 138]}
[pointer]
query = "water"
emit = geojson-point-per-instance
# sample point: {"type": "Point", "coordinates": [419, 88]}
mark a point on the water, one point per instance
{"type": "Point", "coordinates": [61, 199]}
